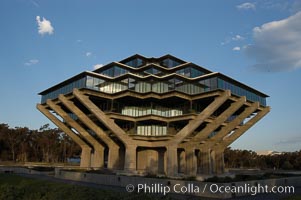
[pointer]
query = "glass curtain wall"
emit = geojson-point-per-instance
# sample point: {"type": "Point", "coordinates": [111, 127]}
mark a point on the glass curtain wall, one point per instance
{"type": "Point", "coordinates": [222, 84]}
{"type": "Point", "coordinates": [170, 63]}
{"type": "Point", "coordinates": [80, 83]}
{"type": "Point", "coordinates": [201, 86]}
{"type": "Point", "coordinates": [114, 71]}
{"type": "Point", "coordinates": [190, 72]}
{"type": "Point", "coordinates": [137, 62]}
{"type": "Point", "coordinates": [152, 130]}
{"type": "Point", "coordinates": [136, 111]}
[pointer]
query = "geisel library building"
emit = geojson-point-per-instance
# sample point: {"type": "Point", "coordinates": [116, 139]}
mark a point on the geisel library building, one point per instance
{"type": "Point", "coordinates": [161, 116]}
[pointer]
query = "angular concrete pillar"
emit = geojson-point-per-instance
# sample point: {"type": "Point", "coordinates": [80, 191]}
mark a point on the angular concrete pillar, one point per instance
{"type": "Point", "coordinates": [172, 162]}
{"type": "Point", "coordinates": [97, 160]}
{"type": "Point", "coordinates": [85, 158]}
{"type": "Point", "coordinates": [113, 158]}
{"type": "Point", "coordinates": [152, 161]}
{"type": "Point", "coordinates": [200, 118]}
{"type": "Point", "coordinates": [130, 164]}
{"type": "Point", "coordinates": [101, 116]}
{"type": "Point", "coordinates": [86, 149]}
{"type": "Point", "coordinates": [203, 134]}
{"type": "Point", "coordinates": [232, 125]}
{"type": "Point", "coordinates": [161, 161]}
{"type": "Point", "coordinates": [204, 161]}
{"type": "Point", "coordinates": [181, 161]}
{"type": "Point", "coordinates": [218, 168]}
{"type": "Point", "coordinates": [191, 162]}
{"type": "Point", "coordinates": [228, 140]}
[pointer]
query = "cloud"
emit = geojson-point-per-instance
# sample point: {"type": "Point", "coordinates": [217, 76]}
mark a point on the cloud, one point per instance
{"type": "Point", "coordinates": [236, 49]}
{"type": "Point", "coordinates": [237, 38]}
{"type": "Point", "coordinates": [31, 62]}
{"type": "Point", "coordinates": [292, 6]}
{"type": "Point", "coordinates": [246, 6]}
{"type": "Point", "coordinates": [231, 39]}
{"type": "Point", "coordinates": [97, 66]}
{"type": "Point", "coordinates": [290, 141]}
{"type": "Point", "coordinates": [44, 26]}
{"type": "Point", "coordinates": [277, 45]}
{"type": "Point", "coordinates": [88, 54]}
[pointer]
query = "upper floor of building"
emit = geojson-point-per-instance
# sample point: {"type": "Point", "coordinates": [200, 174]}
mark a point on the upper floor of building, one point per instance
{"type": "Point", "coordinates": [158, 75]}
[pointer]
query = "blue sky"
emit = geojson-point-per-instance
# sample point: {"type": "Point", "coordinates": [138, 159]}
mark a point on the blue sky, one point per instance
{"type": "Point", "coordinates": [256, 42]}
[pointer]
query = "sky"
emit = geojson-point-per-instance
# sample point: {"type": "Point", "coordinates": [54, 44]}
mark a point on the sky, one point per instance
{"type": "Point", "coordinates": [43, 42]}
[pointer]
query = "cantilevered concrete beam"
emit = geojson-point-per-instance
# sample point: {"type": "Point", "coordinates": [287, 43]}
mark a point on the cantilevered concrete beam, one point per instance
{"type": "Point", "coordinates": [219, 147]}
{"type": "Point", "coordinates": [195, 123]}
{"type": "Point", "coordinates": [129, 143]}
{"type": "Point", "coordinates": [212, 143]}
{"type": "Point", "coordinates": [230, 126]}
{"type": "Point", "coordinates": [97, 160]}
{"type": "Point", "coordinates": [172, 163]}
{"type": "Point", "coordinates": [101, 116]}
{"type": "Point", "coordinates": [86, 149]}
{"type": "Point", "coordinates": [202, 135]}
{"type": "Point", "coordinates": [228, 140]}
{"type": "Point", "coordinates": [113, 147]}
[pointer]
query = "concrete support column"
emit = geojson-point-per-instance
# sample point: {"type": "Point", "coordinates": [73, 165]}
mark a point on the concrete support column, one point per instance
{"type": "Point", "coordinates": [152, 161]}
{"type": "Point", "coordinates": [181, 161]}
{"type": "Point", "coordinates": [130, 164]}
{"type": "Point", "coordinates": [97, 160]}
{"type": "Point", "coordinates": [191, 164]}
{"type": "Point", "coordinates": [219, 162]}
{"type": "Point", "coordinates": [85, 158]}
{"type": "Point", "coordinates": [113, 158]}
{"type": "Point", "coordinates": [172, 162]}
{"type": "Point", "coordinates": [86, 149]}
{"type": "Point", "coordinates": [205, 161]}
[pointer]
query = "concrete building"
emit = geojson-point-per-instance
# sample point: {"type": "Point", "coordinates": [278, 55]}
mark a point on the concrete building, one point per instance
{"type": "Point", "coordinates": [153, 115]}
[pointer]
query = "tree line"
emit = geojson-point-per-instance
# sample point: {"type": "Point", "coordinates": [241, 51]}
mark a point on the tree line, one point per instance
{"type": "Point", "coordinates": [250, 159]}
{"type": "Point", "coordinates": [21, 144]}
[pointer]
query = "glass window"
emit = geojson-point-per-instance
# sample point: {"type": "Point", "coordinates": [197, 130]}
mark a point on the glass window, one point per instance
{"type": "Point", "coordinates": [170, 63]}
{"type": "Point", "coordinates": [137, 62]}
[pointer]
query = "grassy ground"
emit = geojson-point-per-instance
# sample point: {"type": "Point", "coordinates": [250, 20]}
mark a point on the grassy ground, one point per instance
{"type": "Point", "coordinates": [294, 197]}
{"type": "Point", "coordinates": [13, 187]}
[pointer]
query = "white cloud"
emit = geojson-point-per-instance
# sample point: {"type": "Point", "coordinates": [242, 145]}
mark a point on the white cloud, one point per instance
{"type": "Point", "coordinates": [32, 62]}
{"type": "Point", "coordinates": [246, 6]}
{"type": "Point", "coordinates": [236, 49]}
{"type": "Point", "coordinates": [44, 26]}
{"type": "Point", "coordinates": [231, 39]}
{"type": "Point", "coordinates": [97, 66]}
{"type": "Point", "coordinates": [277, 45]}
{"type": "Point", "coordinates": [88, 54]}
{"type": "Point", "coordinates": [237, 38]}
{"type": "Point", "coordinates": [290, 141]}
{"type": "Point", "coordinates": [292, 6]}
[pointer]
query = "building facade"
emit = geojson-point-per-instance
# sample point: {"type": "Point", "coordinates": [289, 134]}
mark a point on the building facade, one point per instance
{"type": "Point", "coordinates": [153, 115]}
